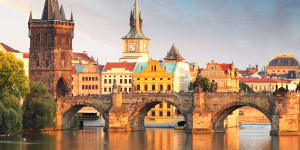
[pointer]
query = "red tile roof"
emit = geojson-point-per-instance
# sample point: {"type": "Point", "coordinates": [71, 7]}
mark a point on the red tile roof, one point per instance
{"type": "Point", "coordinates": [128, 66]}
{"type": "Point", "coordinates": [81, 56]}
{"type": "Point", "coordinates": [25, 55]}
{"type": "Point", "coordinates": [264, 80]}
{"type": "Point", "coordinates": [9, 49]}
{"type": "Point", "coordinates": [225, 67]}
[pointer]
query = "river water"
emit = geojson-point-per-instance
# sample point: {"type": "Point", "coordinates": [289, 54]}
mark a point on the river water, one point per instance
{"type": "Point", "coordinates": [244, 138]}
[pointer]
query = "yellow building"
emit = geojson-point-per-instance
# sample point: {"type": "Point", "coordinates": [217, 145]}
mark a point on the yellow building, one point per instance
{"type": "Point", "coordinates": [156, 77]}
{"type": "Point", "coordinates": [225, 75]}
{"type": "Point", "coordinates": [86, 80]}
{"type": "Point", "coordinates": [282, 65]}
{"type": "Point", "coordinates": [24, 57]}
{"type": "Point", "coordinates": [267, 84]}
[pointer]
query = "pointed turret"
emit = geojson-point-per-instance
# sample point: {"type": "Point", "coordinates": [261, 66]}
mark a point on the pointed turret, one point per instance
{"type": "Point", "coordinates": [30, 16]}
{"type": "Point", "coordinates": [174, 54]}
{"type": "Point", "coordinates": [62, 12]}
{"type": "Point", "coordinates": [135, 23]}
{"type": "Point", "coordinates": [48, 10]}
{"type": "Point", "coordinates": [72, 19]}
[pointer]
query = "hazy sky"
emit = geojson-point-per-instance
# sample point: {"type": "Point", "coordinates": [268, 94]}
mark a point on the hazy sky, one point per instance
{"type": "Point", "coordinates": [244, 31]}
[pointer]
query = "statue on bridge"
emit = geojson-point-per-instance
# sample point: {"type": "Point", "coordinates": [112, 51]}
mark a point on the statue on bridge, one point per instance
{"type": "Point", "coordinates": [213, 86]}
{"type": "Point", "coordinates": [298, 88]}
{"type": "Point", "coordinates": [198, 86]}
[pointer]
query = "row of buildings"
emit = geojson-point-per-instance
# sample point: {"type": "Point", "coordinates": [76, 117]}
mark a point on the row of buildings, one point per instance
{"type": "Point", "coordinates": [49, 61]}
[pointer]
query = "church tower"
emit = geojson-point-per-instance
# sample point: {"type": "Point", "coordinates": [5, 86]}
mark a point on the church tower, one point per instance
{"type": "Point", "coordinates": [135, 43]}
{"type": "Point", "coordinates": [51, 49]}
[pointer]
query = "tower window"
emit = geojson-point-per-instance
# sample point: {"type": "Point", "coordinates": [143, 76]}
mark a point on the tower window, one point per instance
{"type": "Point", "coordinates": [47, 63]}
{"type": "Point", "coordinates": [37, 63]}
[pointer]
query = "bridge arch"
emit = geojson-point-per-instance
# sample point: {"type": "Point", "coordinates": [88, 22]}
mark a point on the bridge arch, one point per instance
{"type": "Point", "coordinates": [221, 114]}
{"type": "Point", "coordinates": [73, 107]}
{"type": "Point", "coordinates": [140, 110]}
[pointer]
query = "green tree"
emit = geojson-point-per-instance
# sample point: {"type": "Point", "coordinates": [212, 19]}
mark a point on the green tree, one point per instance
{"type": "Point", "coordinates": [10, 114]}
{"type": "Point", "coordinates": [245, 88]}
{"type": "Point", "coordinates": [39, 108]}
{"type": "Point", "coordinates": [13, 87]}
{"type": "Point", "coordinates": [12, 76]}
{"type": "Point", "coordinates": [200, 80]}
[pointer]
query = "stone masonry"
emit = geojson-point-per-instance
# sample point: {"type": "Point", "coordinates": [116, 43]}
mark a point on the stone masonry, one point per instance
{"type": "Point", "coordinates": [203, 112]}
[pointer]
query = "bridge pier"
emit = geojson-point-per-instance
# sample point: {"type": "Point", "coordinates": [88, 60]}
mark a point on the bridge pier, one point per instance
{"type": "Point", "coordinates": [200, 119]}
{"type": "Point", "coordinates": [288, 118]}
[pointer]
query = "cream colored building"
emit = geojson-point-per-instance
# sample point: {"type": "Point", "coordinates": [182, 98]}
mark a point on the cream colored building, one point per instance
{"type": "Point", "coordinates": [119, 73]}
{"type": "Point", "coordinates": [268, 84]}
{"type": "Point", "coordinates": [225, 75]}
{"type": "Point", "coordinates": [86, 80]}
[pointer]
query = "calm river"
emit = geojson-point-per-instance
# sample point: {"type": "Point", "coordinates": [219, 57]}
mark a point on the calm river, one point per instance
{"type": "Point", "coordinates": [245, 138]}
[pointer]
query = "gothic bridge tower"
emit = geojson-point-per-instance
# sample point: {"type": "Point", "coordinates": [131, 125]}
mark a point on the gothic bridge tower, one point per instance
{"type": "Point", "coordinates": [51, 49]}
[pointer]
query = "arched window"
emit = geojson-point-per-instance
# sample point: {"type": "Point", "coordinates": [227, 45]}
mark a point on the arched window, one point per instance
{"type": "Point", "coordinates": [153, 87]}
{"type": "Point", "coordinates": [161, 88]}
{"type": "Point", "coordinates": [138, 87]}
{"type": "Point", "coordinates": [169, 87]}
{"type": "Point", "coordinates": [146, 88]}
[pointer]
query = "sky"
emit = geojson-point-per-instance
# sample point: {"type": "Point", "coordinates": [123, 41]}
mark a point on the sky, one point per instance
{"type": "Point", "coordinates": [247, 32]}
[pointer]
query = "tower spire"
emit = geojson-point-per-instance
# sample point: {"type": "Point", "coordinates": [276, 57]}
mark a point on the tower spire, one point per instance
{"type": "Point", "coordinates": [30, 16]}
{"type": "Point", "coordinates": [136, 23]}
{"type": "Point", "coordinates": [62, 12]}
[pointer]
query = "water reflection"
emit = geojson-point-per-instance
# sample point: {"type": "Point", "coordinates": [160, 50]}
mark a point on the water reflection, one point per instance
{"type": "Point", "coordinates": [247, 137]}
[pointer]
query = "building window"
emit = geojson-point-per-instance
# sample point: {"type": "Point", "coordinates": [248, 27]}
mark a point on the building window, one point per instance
{"type": "Point", "coordinates": [121, 81]}
{"type": "Point", "coordinates": [169, 78]}
{"type": "Point", "coordinates": [93, 87]}
{"type": "Point", "coordinates": [153, 78]}
{"type": "Point", "coordinates": [125, 89]}
{"type": "Point", "coordinates": [121, 90]}
{"type": "Point", "coordinates": [138, 79]}
{"type": "Point", "coordinates": [96, 78]}
{"type": "Point", "coordinates": [93, 78]}
{"type": "Point", "coordinates": [96, 87]}
{"type": "Point", "coordinates": [129, 80]}
{"type": "Point", "coordinates": [153, 87]}
{"type": "Point", "coordinates": [168, 114]}
{"type": "Point", "coordinates": [109, 81]}
{"type": "Point", "coordinates": [169, 87]}
{"type": "Point", "coordinates": [146, 79]}
{"type": "Point", "coordinates": [161, 88]}
{"type": "Point", "coordinates": [161, 78]}
{"type": "Point", "coordinates": [105, 81]}
{"type": "Point", "coordinates": [169, 106]}
{"type": "Point", "coordinates": [87, 78]}
{"type": "Point", "coordinates": [83, 87]}
{"type": "Point", "coordinates": [161, 113]}
{"type": "Point", "coordinates": [90, 87]}
{"type": "Point", "coordinates": [105, 89]}
{"type": "Point", "coordinates": [90, 78]}
{"type": "Point", "coordinates": [129, 89]}
{"type": "Point", "coordinates": [125, 81]}
{"type": "Point", "coordinates": [155, 68]}
{"type": "Point", "coordinates": [109, 89]}
{"type": "Point", "coordinates": [160, 105]}
{"type": "Point", "coordinates": [115, 81]}
{"type": "Point", "coordinates": [47, 63]}
{"type": "Point", "coordinates": [86, 87]}
{"type": "Point", "coordinates": [138, 88]}
{"type": "Point", "coordinates": [153, 113]}
{"type": "Point", "coordinates": [146, 87]}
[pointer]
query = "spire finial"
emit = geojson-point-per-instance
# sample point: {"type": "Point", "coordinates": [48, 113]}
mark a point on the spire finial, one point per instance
{"type": "Point", "coordinates": [30, 16]}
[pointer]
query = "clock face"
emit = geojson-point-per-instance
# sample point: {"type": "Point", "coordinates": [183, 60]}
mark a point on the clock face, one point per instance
{"type": "Point", "coordinates": [132, 47]}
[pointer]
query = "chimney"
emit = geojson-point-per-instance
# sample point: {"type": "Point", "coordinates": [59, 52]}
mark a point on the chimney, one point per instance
{"type": "Point", "coordinates": [256, 67]}
{"type": "Point", "coordinates": [85, 53]}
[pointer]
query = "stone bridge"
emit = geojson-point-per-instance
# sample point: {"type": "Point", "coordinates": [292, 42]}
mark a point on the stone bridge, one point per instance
{"type": "Point", "coordinates": [203, 112]}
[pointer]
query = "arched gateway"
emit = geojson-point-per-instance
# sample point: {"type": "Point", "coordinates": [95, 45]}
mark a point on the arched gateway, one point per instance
{"type": "Point", "coordinates": [204, 112]}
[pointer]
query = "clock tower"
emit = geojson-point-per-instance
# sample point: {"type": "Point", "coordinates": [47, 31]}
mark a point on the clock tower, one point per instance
{"type": "Point", "coordinates": [135, 43]}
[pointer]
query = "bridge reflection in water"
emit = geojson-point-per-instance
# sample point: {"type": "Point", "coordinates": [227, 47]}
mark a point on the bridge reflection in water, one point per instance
{"type": "Point", "coordinates": [247, 137]}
